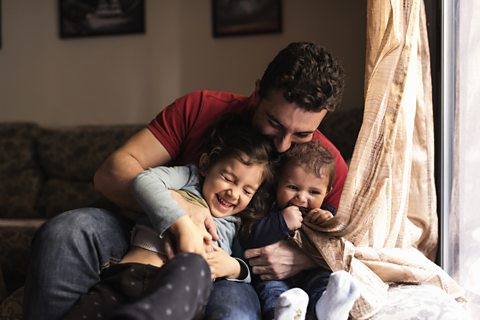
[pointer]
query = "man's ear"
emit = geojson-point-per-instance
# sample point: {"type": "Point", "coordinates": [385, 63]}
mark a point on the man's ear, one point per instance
{"type": "Point", "coordinates": [203, 164]}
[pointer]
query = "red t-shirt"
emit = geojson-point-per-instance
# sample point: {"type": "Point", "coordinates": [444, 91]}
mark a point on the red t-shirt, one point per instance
{"type": "Point", "coordinates": [181, 126]}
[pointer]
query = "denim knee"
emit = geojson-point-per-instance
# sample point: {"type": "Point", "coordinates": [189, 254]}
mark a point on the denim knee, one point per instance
{"type": "Point", "coordinates": [233, 301]}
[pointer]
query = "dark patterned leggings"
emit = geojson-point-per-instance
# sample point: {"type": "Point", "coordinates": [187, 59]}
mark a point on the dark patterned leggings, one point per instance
{"type": "Point", "coordinates": [178, 290]}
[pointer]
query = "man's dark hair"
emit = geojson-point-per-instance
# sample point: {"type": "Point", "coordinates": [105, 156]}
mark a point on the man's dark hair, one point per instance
{"type": "Point", "coordinates": [307, 74]}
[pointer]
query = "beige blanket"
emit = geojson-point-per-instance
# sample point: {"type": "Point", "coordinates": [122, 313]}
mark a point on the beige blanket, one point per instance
{"type": "Point", "coordinates": [386, 225]}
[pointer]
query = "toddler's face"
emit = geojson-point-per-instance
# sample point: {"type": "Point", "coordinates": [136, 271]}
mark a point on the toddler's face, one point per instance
{"type": "Point", "coordinates": [301, 188]}
{"type": "Point", "coordinates": [230, 185]}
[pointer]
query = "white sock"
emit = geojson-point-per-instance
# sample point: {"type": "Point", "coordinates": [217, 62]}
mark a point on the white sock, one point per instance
{"type": "Point", "coordinates": [339, 297]}
{"type": "Point", "coordinates": [291, 305]}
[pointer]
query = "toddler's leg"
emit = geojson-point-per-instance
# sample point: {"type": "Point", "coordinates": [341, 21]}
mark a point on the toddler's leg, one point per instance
{"type": "Point", "coordinates": [337, 301]}
{"type": "Point", "coordinates": [291, 305]}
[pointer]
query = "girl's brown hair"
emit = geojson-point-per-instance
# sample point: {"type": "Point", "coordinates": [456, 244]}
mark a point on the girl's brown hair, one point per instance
{"type": "Point", "coordinates": [233, 135]}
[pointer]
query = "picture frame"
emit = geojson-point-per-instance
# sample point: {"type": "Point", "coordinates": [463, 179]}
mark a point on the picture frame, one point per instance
{"type": "Point", "coordinates": [246, 17]}
{"type": "Point", "coordinates": [87, 18]}
{"type": "Point", "coordinates": [0, 24]}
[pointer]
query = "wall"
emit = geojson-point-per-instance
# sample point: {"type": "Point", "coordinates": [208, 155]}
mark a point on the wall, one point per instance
{"type": "Point", "coordinates": [128, 78]}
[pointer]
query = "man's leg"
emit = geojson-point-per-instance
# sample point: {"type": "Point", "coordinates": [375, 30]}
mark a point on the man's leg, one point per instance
{"type": "Point", "coordinates": [232, 300]}
{"type": "Point", "coordinates": [68, 253]}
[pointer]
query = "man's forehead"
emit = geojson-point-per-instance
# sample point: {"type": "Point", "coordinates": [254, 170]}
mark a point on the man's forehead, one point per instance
{"type": "Point", "coordinates": [297, 121]}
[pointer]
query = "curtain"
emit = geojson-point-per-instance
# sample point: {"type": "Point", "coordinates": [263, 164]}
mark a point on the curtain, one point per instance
{"type": "Point", "coordinates": [386, 227]}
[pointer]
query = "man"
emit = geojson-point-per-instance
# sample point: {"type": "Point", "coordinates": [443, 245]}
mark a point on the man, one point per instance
{"type": "Point", "coordinates": [298, 88]}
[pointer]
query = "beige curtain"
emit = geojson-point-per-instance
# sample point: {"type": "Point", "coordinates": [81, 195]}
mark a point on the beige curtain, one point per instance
{"type": "Point", "coordinates": [386, 226]}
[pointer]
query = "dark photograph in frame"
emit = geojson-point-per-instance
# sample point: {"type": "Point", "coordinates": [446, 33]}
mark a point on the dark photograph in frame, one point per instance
{"type": "Point", "coordinates": [244, 17]}
{"type": "Point", "coordinates": [0, 24]}
{"type": "Point", "coordinates": [86, 18]}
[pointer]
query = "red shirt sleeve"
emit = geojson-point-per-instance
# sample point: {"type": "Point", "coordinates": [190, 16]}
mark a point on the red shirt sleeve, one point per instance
{"type": "Point", "coordinates": [181, 126]}
{"type": "Point", "coordinates": [172, 124]}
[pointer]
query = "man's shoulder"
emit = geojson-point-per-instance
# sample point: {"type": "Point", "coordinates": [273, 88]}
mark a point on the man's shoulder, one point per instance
{"type": "Point", "coordinates": [205, 94]}
{"type": "Point", "coordinates": [325, 142]}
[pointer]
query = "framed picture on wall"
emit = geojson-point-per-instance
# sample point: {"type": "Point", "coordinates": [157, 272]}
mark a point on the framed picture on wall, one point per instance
{"type": "Point", "coordinates": [0, 24]}
{"type": "Point", "coordinates": [243, 17]}
{"type": "Point", "coordinates": [85, 18]}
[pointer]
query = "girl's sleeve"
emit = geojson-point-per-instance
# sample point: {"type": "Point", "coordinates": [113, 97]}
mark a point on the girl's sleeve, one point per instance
{"type": "Point", "coordinates": [151, 189]}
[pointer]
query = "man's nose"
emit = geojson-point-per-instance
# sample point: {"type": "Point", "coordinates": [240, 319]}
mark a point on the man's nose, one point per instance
{"type": "Point", "coordinates": [283, 142]}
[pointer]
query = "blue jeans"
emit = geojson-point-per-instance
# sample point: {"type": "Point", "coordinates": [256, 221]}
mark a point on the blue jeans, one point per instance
{"type": "Point", "coordinates": [314, 282]}
{"type": "Point", "coordinates": [233, 301]}
{"type": "Point", "coordinates": [68, 253]}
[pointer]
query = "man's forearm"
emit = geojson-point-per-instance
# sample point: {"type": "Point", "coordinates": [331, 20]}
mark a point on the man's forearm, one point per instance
{"type": "Point", "coordinates": [114, 184]}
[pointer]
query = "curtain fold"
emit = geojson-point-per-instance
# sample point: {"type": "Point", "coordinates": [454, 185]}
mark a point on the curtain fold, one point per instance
{"type": "Point", "coordinates": [386, 225]}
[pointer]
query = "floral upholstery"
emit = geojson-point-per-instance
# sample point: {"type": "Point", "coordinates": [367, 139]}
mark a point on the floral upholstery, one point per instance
{"type": "Point", "coordinates": [11, 308]}
{"type": "Point", "coordinates": [43, 172]}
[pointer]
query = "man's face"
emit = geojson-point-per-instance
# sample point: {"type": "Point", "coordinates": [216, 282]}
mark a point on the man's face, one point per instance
{"type": "Point", "coordinates": [284, 122]}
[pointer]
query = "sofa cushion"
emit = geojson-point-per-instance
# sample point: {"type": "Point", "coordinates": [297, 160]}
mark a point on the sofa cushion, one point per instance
{"type": "Point", "coordinates": [19, 193]}
{"type": "Point", "coordinates": [75, 153]}
{"type": "Point", "coordinates": [16, 153]}
{"type": "Point", "coordinates": [60, 195]}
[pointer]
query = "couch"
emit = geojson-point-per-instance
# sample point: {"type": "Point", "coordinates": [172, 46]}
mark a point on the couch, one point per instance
{"type": "Point", "coordinates": [44, 171]}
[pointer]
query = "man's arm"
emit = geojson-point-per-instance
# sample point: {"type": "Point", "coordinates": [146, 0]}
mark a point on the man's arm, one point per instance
{"type": "Point", "coordinates": [116, 173]}
{"type": "Point", "coordinates": [279, 260]}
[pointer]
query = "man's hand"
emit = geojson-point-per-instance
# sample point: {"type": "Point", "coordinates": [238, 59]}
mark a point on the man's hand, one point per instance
{"type": "Point", "coordinates": [318, 216]}
{"type": "Point", "coordinates": [293, 217]}
{"type": "Point", "coordinates": [278, 261]}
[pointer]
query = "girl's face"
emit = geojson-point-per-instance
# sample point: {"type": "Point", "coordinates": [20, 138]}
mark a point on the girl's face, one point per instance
{"type": "Point", "coordinates": [230, 185]}
{"type": "Point", "coordinates": [301, 188]}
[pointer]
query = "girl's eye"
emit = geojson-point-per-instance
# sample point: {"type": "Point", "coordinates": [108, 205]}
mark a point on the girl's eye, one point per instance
{"type": "Point", "coordinates": [227, 178]}
{"type": "Point", "coordinates": [314, 192]}
{"type": "Point", "coordinates": [292, 187]}
{"type": "Point", "coordinates": [248, 192]}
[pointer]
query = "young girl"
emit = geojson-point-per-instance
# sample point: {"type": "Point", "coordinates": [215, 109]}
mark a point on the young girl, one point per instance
{"type": "Point", "coordinates": [228, 181]}
{"type": "Point", "coordinates": [306, 175]}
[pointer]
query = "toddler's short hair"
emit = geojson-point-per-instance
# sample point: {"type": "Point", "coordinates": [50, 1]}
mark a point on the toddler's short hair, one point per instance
{"type": "Point", "coordinates": [313, 157]}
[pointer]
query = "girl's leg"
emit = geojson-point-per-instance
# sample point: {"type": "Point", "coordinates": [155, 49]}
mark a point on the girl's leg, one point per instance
{"type": "Point", "coordinates": [180, 290]}
{"type": "Point", "coordinates": [120, 284]}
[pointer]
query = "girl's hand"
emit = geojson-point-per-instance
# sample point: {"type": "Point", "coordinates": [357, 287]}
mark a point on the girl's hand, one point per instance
{"type": "Point", "coordinates": [318, 216]}
{"type": "Point", "coordinates": [222, 265]}
{"type": "Point", "coordinates": [293, 217]}
{"type": "Point", "coordinates": [189, 237]}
